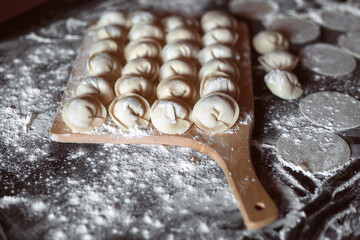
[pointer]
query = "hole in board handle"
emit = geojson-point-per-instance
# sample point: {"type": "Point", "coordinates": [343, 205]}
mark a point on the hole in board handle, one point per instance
{"type": "Point", "coordinates": [259, 206]}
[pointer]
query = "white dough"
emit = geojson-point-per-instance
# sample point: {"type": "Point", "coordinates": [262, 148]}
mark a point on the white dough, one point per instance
{"type": "Point", "coordinates": [145, 47]}
{"type": "Point", "coordinates": [107, 45]}
{"type": "Point", "coordinates": [146, 30]}
{"type": "Point", "coordinates": [267, 41]}
{"type": "Point", "coordinates": [84, 113]}
{"type": "Point", "coordinates": [278, 59]}
{"type": "Point", "coordinates": [217, 19]}
{"type": "Point", "coordinates": [180, 49]}
{"type": "Point", "coordinates": [104, 64]}
{"type": "Point", "coordinates": [283, 84]}
{"type": "Point", "coordinates": [96, 86]}
{"type": "Point", "coordinates": [216, 112]}
{"type": "Point", "coordinates": [350, 42]}
{"type": "Point", "coordinates": [313, 149]}
{"type": "Point", "coordinates": [145, 67]}
{"type": "Point", "coordinates": [177, 86]}
{"type": "Point", "coordinates": [135, 84]}
{"type": "Point", "coordinates": [130, 110]}
{"type": "Point", "coordinates": [219, 82]}
{"type": "Point", "coordinates": [326, 59]}
{"type": "Point", "coordinates": [182, 33]}
{"type": "Point", "coordinates": [221, 35]}
{"type": "Point", "coordinates": [172, 22]}
{"type": "Point", "coordinates": [171, 116]}
{"type": "Point", "coordinates": [141, 16]}
{"type": "Point", "coordinates": [331, 110]}
{"type": "Point", "coordinates": [180, 67]}
{"type": "Point", "coordinates": [253, 9]}
{"type": "Point", "coordinates": [111, 31]}
{"type": "Point", "coordinates": [217, 51]}
{"type": "Point", "coordinates": [340, 20]}
{"type": "Point", "coordinates": [113, 18]}
{"type": "Point", "coordinates": [220, 65]}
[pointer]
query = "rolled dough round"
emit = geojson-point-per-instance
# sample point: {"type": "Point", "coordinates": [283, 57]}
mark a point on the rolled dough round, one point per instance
{"type": "Point", "coordinates": [340, 20]}
{"type": "Point", "coordinates": [350, 42]}
{"type": "Point", "coordinates": [252, 9]}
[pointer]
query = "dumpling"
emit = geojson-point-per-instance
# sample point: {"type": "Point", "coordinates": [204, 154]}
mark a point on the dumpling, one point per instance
{"type": "Point", "coordinates": [146, 30]}
{"type": "Point", "coordinates": [182, 33]}
{"type": "Point", "coordinates": [104, 65]}
{"type": "Point", "coordinates": [135, 84]}
{"type": "Point", "coordinates": [177, 86]}
{"type": "Point", "coordinates": [145, 67]}
{"type": "Point", "coordinates": [113, 18]}
{"type": "Point", "coordinates": [221, 35]}
{"type": "Point", "coordinates": [145, 47]}
{"type": "Point", "coordinates": [96, 86]}
{"type": "Point", "coordinates": [216, 112]}
{"type": "Point", "coordinates": [130, 110]}
{"type": "Point", "coordinates": [217, 19]}
{"type": "Point", "coordinates": [171, 115]}
{"type": "Point", "coordinates": [172, 22]}
{"type": "Point", "coordinates": [180, 49]}
{"type": "Point", "coordinates": [278, 59]}
{"type": "Point", "coordinates": [217, 51]}
{"type": "Point", "coordinates": [84, 113]}
{"type": "Point", "coordinates": [219, 82]}
{"type": "Point", "coordinates": [220, 65]}
{"type": "Point", "coordinates": [284, 84]}
{"type": "Point", "coordinates": [267, 41]}
{"type": "Point", "coordinates": [141, 16]}
{"type": "Point", "coordinates": [180, 67]}
{"type": "Point", "coordinates": [107, 45]}
{"type": "Point", "coordinates": [111, 31]}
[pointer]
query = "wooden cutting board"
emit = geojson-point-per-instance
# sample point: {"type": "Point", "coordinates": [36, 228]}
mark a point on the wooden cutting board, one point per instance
{"type": "Point", "coordinates": [229, 149]}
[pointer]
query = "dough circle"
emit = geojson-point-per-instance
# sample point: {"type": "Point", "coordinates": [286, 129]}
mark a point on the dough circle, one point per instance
{"type": "Point", "coordinates": [252, 9]}
{"type": "Point", "coordinates": [327, 59]}
{"type": "Point", "coordinates": [313, 149]}
{"type": "Point", "coordinates": [350, 42]}
{"type": "Point", "coordinates": [339, 20]}
{"type": "Point", "coordinates": [331, 110]}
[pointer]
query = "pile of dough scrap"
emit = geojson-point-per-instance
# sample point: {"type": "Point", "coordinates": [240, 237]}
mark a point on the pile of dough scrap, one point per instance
{"type": "Point", "coordinates": [146, 71]}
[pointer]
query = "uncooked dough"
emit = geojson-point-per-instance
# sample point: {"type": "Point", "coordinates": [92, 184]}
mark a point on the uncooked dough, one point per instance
{"type": "Point", "coordinates": [220, 65]}
{"type": "Point", "coordinates": [252, 9]}
{"type": "Point", "coordinates": [219, 82]}
{"type": "Point", "coordinates": [104, 64]}
{"type": "Point", "coordinates": [171, 116]}
{"type": "Point", "coordinates": [220, 35]}
{"type": "Point", "coordinates": [350, 42]}
{"type": "Point", "coordinates": [145, 47]}
{"type": "Point", "coordinates": [217, 51]}
{"type": "Point", "coordinates": [111, 31]}
{"type": "Point", "coordinates": [182, 33]}
{"type": "Point", "coordinates": [172, 22]}
{"type": "Point", "coordinates": [331, 110]}
{"type": "Point", "coordinates": [298, 31]}
{"type": "Point", "coordinates": [135, 84]}
{"type": "Point", "coordinates": [113, 18]}
{"type": "Point", "coordinates": [216, 112]}
{"type": "Point", "coordinates": [278, 59]}
{"type": "Point", "coordinates": [217, 19]}
{"type": "Point", "coordinates": [313, 149]}
{"type": "Point", "coordinates": [180, 49]}
{"type": "Point", "coordinates": [146, 30]}
{"type": "Point", "coordinates": [84, 113]}
{"type": "Point", "coordinates": [141, 16]}
{"type": "Point", "coordinates": [145, 67]}
{"type": "Point", "coordinates": [340, 20]}
{"type": "Point", "coordinates": [327, 59]}
{"type": "Point", "coordinates": [130, 110]}
{"type": "Point", "coordinates": [107, 45]}
{"type": "Point", "coordinates": [178, 67]}
{"type": "Point", "coordinates": [177, 86]}
{"type": "Point", "coordinates": [267, 41]}
{"type": "Point", "coordinates": [283, 84]}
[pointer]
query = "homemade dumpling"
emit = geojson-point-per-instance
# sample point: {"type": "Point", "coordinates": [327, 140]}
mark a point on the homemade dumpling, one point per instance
{"type": "Point", "coordinates": [84, 113]}
{"type": "Point", "coordinates": [96, 86]}
{"type": "Point", "coordinates": [172, 22]}
{"type": "Point", "coordinates": [171, 115]}
{"type": "Point", "coordinates": [141, 16]}
{"type": "Point", "coordinates": [178, 67]}
{"type": "Point", "coordinates": [217, 51]}
{"type": "Point", "coordinates": [278, 59]}
{"type": "Point", "coordinates": [216, 112]}
{"type": "Point", "coordinates": [219, 82]}
{"type": "Point", "coordinates": [104, 64]}
{"type": "Point", "coordinates": [106, 45]}
{"type": "Point", "coordinates": [220, 65]}
{"type": "Point", "coordinates": [180, 49]}
{"type": "Point", "coordinates": [177, 86]}
{"type": "Point", "coordinates": [145, 47]}
{"type": "Point", "coordinates": [283, 84]}
{"type": "Point", "coordinates": [221, 35]}
{"type": "Point", "coordinates": [217, 19]}
{"type": "Point", "coordinates": [113, 18]}
{"type": "Point", "coordinates": [182, 33]}
{"type": "Point", "coordinates": [145, 67]}
{"type": "Point", "coordinates": [146, 30]}
{"type": "Point", "coordinates": [130, 110]}
{"type": "Point", "coordinates": [267, 41]}
{"type": "Point", "coordinates": [135, 84]}
{"type": "Point", "coordinates": [111, 31]}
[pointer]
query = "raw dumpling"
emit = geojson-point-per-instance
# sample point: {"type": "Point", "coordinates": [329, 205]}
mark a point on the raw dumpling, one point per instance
{"type": "Point", "coordinates": [216, 51]}
{"type": "Point", "coordinates": [106, 45]}
{"type": "Point", "coordinates": [96, 86]}
{"type": "Point", "coordinates": [130, 110]}
{"type": "Point", "coordinates": [219, 82]}
{"type": "Point", "coordinates": [146, 30]}
{"type": "Point", "coordinates": [180, 49]}
{"type": "Point", "coordinates": [171, 116]}
{"type": "Point", "coordinates": [113, 18]}
{"type": "Point", "coordinates": [283, 84]}
{"type": "Point", "coordinates": [267, 41]}
{"type": "Point", "coordinates": [84, 113]}
{"type": "Point", "coordinates": [104, 64]}
{"type": "Point", "coordinates": [111, 31]}
{"type": "Point", "coordinates": [180, 67]}
{"type": "Point", "coordinates": [135, 84]}
{"type": "Point", "coordinates": [220, 35]}
{"type": "Point", "coordinates": [141, 16]}
{"type": "Point", "coordinates": [217, 19]}
{"type": "Point", "coordinates": [216, 112]}
{"type": "Point", "coordinates": [177, 86]}
{"type": "Point", "coordinates": [144, 67]}
{"type": "Point", "coordinates": [182, 33]}
{"type": "Point", "coordinates": [145, 47]}
{"type": "Point", "coordinates": [172, 22]}
{"type": "Point", "coordinates": [278, 59]}
{"type": "Point", "coordinates": [220, 65]}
